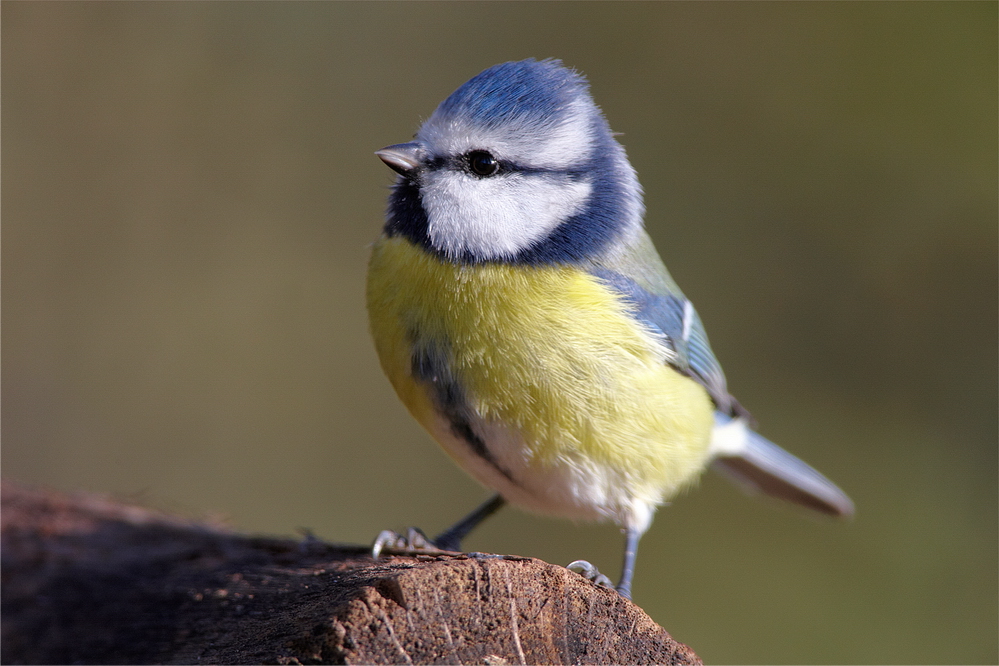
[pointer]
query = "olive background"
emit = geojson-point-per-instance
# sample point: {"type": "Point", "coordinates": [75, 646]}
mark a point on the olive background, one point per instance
{"type": "Point", "coordinates": [189, 193]}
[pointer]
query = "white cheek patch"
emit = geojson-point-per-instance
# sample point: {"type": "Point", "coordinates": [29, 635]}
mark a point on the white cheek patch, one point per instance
{"type": "Point", "coordinates": [565, 144]}
{"type": "Point", "coordinates": [495, 218]}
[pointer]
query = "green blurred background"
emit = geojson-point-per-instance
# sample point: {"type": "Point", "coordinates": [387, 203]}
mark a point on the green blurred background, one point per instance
{"type": "Point", "coordinates": [189, 192]}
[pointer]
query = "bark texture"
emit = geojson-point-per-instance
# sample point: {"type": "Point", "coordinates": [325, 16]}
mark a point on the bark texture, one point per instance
{"type": "Point", "coordinates": [86, 579]}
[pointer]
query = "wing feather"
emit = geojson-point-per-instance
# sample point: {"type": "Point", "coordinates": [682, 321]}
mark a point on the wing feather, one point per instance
{"type": "Point", "coordinates": [638, 275]}
{"type": "Point", "coordinates": [640, 278]}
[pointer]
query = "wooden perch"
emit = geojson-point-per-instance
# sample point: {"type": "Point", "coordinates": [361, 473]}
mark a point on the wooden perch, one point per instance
{"type": "Point", "coordinates": [89, 580]}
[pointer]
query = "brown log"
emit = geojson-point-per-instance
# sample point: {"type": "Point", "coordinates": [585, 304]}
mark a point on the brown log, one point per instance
{"type": "Point", "coordinates": [86, 579]}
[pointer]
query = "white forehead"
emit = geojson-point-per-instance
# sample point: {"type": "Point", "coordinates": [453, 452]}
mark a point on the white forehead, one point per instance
{"type": "Point", "coordinates": [559, 143]}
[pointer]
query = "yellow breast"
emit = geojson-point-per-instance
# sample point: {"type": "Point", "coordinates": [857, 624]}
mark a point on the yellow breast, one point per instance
{"type": "Point", "coordinates": [547, 351]}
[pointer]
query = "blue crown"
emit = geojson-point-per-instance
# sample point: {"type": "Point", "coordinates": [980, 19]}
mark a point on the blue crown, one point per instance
{"type": "Point", "coordinates": [528, 90]}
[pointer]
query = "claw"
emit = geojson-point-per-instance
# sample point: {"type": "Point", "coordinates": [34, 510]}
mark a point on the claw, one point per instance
{"type": "Point", "coordinates": [414, 543]}
{"type": "Point", "coordinates": [385, 538]}
{"type": "Point", "coordinates": [590, 572]}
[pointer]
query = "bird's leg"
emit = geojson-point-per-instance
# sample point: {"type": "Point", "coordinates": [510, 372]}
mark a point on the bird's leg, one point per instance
{"type": "Point", "coordinates": [590, 572]}
{"type": "Point", "coordinates": [449, 540]}
{"type": "Point", "coordinates": [631, 537]}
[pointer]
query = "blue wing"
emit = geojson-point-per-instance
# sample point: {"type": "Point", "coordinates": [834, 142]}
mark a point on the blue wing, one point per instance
{"type": "Point", "coordinates": [640, 278]}
{"type": "Point", "coordinates": [638, 275]}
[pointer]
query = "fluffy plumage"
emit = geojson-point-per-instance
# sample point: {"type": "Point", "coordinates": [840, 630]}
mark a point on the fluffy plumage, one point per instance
{"type": "Point", "coordinates": [525, 319]}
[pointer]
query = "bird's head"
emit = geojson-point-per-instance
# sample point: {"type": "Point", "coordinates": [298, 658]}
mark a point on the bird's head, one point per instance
{"type": "Point", "coordinates": [517, 165]}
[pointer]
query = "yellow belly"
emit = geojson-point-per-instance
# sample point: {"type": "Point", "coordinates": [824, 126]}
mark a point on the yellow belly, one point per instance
{"type": "Point", "coordinates": [551, 355]}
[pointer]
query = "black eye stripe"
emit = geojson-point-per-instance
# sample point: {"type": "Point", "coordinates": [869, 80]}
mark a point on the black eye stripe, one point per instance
{"type": "Point", "coordinates": [437, 163]}
{"type": "Point", "coordinates": [460, 163]}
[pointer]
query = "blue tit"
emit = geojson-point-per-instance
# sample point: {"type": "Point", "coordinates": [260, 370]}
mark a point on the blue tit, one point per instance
{"type": "Point", "coordinates": [525, 319]}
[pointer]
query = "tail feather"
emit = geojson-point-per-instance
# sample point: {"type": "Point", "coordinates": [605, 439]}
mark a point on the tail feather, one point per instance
{"type": "Point", "coordinates": [759, 465]}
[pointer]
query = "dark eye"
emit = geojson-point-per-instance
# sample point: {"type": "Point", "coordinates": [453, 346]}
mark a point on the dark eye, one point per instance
{"type": "Point", "coordinates": [482, 163]}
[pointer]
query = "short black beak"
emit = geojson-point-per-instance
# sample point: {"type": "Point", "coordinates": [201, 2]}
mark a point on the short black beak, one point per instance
{"type": "Point", "coordinates": [402, 158]}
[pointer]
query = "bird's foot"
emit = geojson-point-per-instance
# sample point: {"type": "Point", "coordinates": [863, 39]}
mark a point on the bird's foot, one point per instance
{"type": "Point", "coordinates": [590, 573]}
{"type": "Point", "coordinates": [415, 542]}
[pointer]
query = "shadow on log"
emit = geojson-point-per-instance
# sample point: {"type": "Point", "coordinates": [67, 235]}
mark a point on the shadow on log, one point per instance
{"type": "Point", "coordinates": [89, 580]}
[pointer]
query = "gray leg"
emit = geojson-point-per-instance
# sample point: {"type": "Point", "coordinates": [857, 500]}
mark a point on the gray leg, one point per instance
{"type": "Point", "coordinates": [450, 539]}
{"type": "Point", "coordinates": [630, 553]}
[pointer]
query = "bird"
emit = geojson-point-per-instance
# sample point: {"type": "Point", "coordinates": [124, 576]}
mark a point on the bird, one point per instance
{"type": "Point", "coordinates": [524, 317]}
